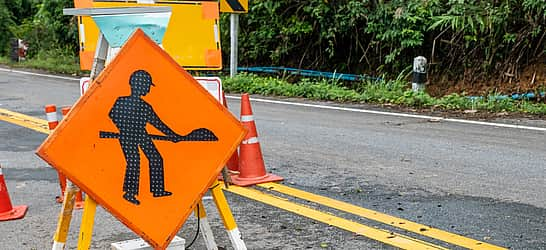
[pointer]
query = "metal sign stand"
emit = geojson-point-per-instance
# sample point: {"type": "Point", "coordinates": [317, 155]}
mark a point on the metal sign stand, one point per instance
{"type": "Point", "coordinates": [90, 205]}
{"type": "Point", "coordinates": [234, 35]}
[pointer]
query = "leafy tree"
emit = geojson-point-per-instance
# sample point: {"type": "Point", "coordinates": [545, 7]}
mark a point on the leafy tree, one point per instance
{"type": "Point", "coordinates": [5, 22]}
{"type": "Point", "coordinates": [468, 40]}
{"type": "Point", "coordinates": [50, 16]}
{"type": "Point", "coordinates": [22, 9]}
{"type": "Point", "coordinates": [50, 29]}
{"type": "Point", "coordinates": [40, 23]}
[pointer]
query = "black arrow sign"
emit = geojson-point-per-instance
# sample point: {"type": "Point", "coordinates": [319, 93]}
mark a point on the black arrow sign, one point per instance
{"type": "Point", "coordinates": [235, 5]}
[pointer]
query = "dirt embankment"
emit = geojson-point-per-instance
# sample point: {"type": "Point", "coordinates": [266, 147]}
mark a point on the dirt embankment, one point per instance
{"type": "Point", "coordinates": [531, 79]}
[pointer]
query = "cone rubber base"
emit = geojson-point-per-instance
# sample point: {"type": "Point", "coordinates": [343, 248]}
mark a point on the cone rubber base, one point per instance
{"type": "Point", "coordinates": [239, 181]}
{"type": "Point", "coordinates": [17, 212]}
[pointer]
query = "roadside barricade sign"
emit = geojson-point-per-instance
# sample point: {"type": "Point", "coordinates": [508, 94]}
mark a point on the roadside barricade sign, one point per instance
{"type": "Point", "coordinates": [145, 141]}
{"type": "Point", "coordinates": [213, 85]}
{"type": "Point", "coordinates": [84, 84]}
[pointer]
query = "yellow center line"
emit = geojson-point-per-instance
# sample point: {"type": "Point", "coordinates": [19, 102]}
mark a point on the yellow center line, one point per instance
{"type": "Point", "coordinates": [24, 121]}
{"type": "Point", "coordinates": [394, 239]}
{"type": "Point", "coordinates": [381, 217]}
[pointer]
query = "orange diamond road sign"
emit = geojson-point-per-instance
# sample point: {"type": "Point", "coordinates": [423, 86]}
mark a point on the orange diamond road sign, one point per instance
{"type": "Point", "coordinates": [145, 141]}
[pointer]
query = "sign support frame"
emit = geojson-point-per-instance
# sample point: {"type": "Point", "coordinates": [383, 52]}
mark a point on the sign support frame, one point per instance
{"type": "Point", "coordinates": [90, 205]}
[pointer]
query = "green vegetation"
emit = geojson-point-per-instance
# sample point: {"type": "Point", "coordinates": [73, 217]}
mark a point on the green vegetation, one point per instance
{"type": "Point", "coordinates": [392, 91]}
{"type": "Point", "coordinates": [55, 61]}
{"type": "Point", "coordinates": [466, 40]}
{"type": "Point", "coordinates": [42, 25]}
{"type": "Point", "coordinates": [52, 37]}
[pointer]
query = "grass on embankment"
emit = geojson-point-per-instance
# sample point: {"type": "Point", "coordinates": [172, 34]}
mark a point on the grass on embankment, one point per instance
{"type": "Point", "coordinates": [381, 92]}
{"type": "Point", "coordinates": [53, 62]}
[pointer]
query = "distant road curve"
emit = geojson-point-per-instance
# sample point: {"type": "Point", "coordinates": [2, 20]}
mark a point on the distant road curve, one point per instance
{"type": "Point", "coordinates": [426, 117]}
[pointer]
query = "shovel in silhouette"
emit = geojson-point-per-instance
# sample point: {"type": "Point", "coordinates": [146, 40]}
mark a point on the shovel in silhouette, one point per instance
{"type": "Point", "coordinates": [200, 134]}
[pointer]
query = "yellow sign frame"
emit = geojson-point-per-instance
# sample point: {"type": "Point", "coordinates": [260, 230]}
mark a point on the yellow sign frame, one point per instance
{"type": "Point", "coordinates": [192, 38]}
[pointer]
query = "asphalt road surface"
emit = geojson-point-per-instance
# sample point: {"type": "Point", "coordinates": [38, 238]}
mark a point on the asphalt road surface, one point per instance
{"type": "Point", "coordinates": [484, 182]}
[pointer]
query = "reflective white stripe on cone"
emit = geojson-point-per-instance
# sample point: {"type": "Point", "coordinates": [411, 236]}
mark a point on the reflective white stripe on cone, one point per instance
{"type": "Point", "coordinates": [51, 117]}
{"type": "Point", "coordinates": [247, 118]}
{"type": "Point", "coordinates": [252, 140]}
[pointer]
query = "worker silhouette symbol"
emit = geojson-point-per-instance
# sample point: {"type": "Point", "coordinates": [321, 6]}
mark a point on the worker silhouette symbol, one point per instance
{"type": "Point", "coordinates": [130, 114]}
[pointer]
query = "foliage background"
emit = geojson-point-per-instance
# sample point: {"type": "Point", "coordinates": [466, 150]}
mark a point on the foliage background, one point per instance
{"type": "Point", "coordinates": [466, 41]}
{"type": "Point", "coordinates": [42, 24]}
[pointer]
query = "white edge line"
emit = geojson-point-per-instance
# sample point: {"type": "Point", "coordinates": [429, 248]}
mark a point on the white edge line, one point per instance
{"type": "Point", "coordinates": [38, 74]}
{"type": "Point", "coordinates": [436, 118]}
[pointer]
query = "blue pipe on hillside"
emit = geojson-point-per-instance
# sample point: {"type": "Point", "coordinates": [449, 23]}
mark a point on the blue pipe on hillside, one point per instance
{"type": "Point", "coordinates": [525, 96]}
{"type": "Point", "coordinates": [352, 77]}
{"type": "Point", "coordinates": [310, 73]}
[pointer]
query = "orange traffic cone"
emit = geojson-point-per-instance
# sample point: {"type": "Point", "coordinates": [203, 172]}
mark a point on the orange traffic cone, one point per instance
{"type": "Point", "coordinates": [7, 211]}
{"type": "Point", "coordinates": [233, 162]}
{"type": "Point", "coordinates": [52, 122]}
{"type": "Point", "coordinates": [251, 163]}
{"type": "Point", "coordinates": [79, 196]}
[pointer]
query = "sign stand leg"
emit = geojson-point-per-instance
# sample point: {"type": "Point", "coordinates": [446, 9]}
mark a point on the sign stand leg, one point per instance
{"type": "Point", "coordinates": [63, 225]}
{"type": "Point", "coordinates": [89, 211]}
{"type": "Point", "coordinates": [205, 228]}
{"type": "Point", "coordinates": [101, 55]}
{"type": "Point", "coordinates": [227, 217]}
{"type": "Point", "coordinates": [90, 205]}
{"type": "Point", "coordinates": [65, 217]}
{"type": "Point", "coordinates": [86, 227]}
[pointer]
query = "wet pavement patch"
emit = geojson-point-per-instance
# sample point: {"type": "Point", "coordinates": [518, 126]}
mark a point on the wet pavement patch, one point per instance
{"type": "Point", "coordinates": [19, 139]}
{"type": "Point", "coordinates": [31, 174]}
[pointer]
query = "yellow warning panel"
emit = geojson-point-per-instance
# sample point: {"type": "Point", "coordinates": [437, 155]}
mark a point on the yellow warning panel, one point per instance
{"type": "Point", "coordinates": [88, 37]}
{"type": "Point", "coordinates": [234, 6]}
{"type": "Point", "coordinates": [88, 41]}
{"type": "Point", "coordinates": [192, 38]}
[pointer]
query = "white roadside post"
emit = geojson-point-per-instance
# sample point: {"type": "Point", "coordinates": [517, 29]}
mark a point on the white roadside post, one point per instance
{"type": "Point", "coordinates": [419, 74]}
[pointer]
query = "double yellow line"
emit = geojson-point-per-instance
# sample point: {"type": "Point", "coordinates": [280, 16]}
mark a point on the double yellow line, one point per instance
{"type": "Point", "coordinates": [391, 238]}
{"type": "Point", "coordinates": [24, 121]}
{"type": "Point", "coordinates": [268, 195]}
